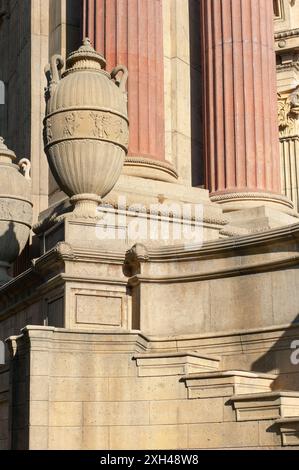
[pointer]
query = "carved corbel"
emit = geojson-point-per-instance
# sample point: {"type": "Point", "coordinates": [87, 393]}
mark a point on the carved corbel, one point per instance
{"type": "Point", "coordinates": [137, 255]}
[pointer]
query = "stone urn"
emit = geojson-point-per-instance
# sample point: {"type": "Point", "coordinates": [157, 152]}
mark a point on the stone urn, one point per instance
{"type": "Point", "coordinates": [86, 127]}
{"type": "Point", "coordinates": [15, 208]}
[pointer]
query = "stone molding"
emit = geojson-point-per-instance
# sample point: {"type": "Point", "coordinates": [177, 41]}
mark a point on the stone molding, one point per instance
{"type": "Point", "coordinates": [270, 405]}
{"type": "Point", "coordinates": [289, 430]}
{"type": "Point", "coordinates": [211, 217]}
{"type": "Point", "coordinates": [40, 338]}
{"type": "Point", "coordinates": [215, 274]}
{"type": "Point", "coordinates": [149, 168]}
{"type": "Point", "coordinates": [236, 197]}
{"type": "Point", "coordinates": [26, 285]}
{"type": "Point", "coordinates": [227, 383]}
{"type": "Point", "coordinates": [289, 33]}
{"type": "Point", "coordinates": [294, 65]}
{"type": "Point", "coordinates": [174, 363]}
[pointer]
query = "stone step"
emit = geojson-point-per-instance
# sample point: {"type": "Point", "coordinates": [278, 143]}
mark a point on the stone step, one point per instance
{"type": "Point", "coordinates": [270, 405]}
{"type": "Point", "coordinates": [174, 363]}
{"type": "Point", "coordinates": [227, 383]}
{"type": "Point", "coordinates": [289, 430]}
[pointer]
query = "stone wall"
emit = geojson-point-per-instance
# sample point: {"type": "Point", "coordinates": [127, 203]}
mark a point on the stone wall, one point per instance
{"type": "Point", "coordinates": [88, 391]}
{"type": "Point", "coordinates": [4, 408]}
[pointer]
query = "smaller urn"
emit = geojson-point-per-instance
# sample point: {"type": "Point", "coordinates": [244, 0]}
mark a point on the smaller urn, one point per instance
{"type": "Point", "coordinates": [15, 208]}
{"type": "Point", "coordinates": [86, 127]}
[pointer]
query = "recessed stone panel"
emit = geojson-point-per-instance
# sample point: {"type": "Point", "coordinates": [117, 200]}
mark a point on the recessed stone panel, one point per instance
{"type": "Point", "coordinates": [99, 309]}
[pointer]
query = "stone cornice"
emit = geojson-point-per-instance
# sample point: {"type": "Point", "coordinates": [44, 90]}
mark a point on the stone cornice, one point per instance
{"type": "Point", "coordinates": [47, 273]}
{"type": "Point", "coordinates": [223, 246]}
{"type": "Point", "coordinates": [274, 332]}
{"type": "Point", "coordinates": [41, 338]}
{"type": "Point", "coordinates": [241, 255]}
{"type": "Point", "coordinates": [218, 273]}
{"type": "Point", "coordinates": [288, 33]}
{"type": "Point", "coordinates": [62, 212]}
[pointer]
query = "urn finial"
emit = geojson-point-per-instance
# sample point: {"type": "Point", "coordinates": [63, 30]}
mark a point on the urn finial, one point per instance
{"type": "Point", "coordinates": [86, 42]}
{"type": "Point", "coordinates": [85, 58]}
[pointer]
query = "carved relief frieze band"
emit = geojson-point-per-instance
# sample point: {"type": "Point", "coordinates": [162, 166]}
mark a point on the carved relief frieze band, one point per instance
{"type": "Point", "coordinates": [15, 210]}
{"type": "Point", "coordinates": [88, 124]}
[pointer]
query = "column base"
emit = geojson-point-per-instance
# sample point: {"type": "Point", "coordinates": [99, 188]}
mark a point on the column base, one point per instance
{"type": "Point", "coordinates": [235, 201]}
{"type": "Point", "coordinates": [148, 168]}
{"type": "Point", "coordinates": [255, 220]}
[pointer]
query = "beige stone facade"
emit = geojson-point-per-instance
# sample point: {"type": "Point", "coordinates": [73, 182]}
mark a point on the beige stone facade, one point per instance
{"type": "Point", "coordinates": [121, 331]}
{"type": "Point", "coordinates": [286, 46]}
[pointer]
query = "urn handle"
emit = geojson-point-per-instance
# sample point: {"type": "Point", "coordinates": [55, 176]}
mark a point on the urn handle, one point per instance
{"type": "Point", "coordinates": [123, 81]}
{"type": "Point", "coordinates": [25, 166]}
{"type": "Point", "coordinates": [53, 71]}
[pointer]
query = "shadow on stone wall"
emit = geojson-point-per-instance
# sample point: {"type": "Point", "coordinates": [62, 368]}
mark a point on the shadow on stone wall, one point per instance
{"type": "Point", "coordinates": [74, 30]}
{"type": "Point", "coordinates": [197, 158]}
{"type": "Point", "coordinates": [280, 358]}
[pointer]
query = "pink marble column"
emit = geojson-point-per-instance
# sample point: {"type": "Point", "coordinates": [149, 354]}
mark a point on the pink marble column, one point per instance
{"type": "Point", "coordinates": [130, 32]}
{"type": "Point", "coordinates": [241, 141]}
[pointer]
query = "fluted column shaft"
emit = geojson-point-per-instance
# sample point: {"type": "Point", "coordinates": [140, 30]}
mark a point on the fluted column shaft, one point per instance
{"type": "Point", "coordinates": [240, 107]}
{"type": "Point", "coordinates": [130, 32]}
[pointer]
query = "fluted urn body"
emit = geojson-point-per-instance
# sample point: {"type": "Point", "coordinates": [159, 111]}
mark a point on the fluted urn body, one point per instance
{"type": "Point", "coordinates": [15, 209]}
{"type": "Point", "coordinates": [86, 126]}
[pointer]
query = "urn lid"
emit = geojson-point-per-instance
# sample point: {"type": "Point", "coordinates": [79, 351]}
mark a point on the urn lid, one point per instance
{"type": "Point", "coordinates": [85, 58]}
{"type": "Point", "coordinates": [6, 155]}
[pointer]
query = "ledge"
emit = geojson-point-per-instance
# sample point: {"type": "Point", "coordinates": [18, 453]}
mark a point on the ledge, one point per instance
{"type": "Point", "coordinates": [227, 383]}
{"type": "Point", "coordinates": [289, 429]}
{"type": "Point", "coordinates": [262, 406]}
{"type": "Point", "coordinates": [174, 363]}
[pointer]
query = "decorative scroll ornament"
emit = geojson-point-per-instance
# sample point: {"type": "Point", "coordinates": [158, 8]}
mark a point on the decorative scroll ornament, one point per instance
{"type": "Point", "coordinates": [86, 131]}
{"type": "Point", "coordinates": [288, 114]}
{"type": "Point", "coordinates": [15, 208]}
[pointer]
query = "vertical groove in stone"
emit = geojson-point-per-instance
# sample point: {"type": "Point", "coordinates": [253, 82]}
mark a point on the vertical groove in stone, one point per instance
{"type": "Point", "coordinates": [130, 32]}
{"type": "Point", "coordinates": [289, 153]}
{"type": "Point", "coordinates": [241, 133]}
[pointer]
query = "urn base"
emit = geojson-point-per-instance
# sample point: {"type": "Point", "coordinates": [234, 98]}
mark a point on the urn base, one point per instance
{"type": "Point", "coordinates": [86, 205]}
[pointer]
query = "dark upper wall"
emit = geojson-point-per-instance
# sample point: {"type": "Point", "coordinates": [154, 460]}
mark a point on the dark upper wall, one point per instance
{"type": "Point", "coordinates": [196, 94]}
{"type": "Point", "coordinates": [15, 71]}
